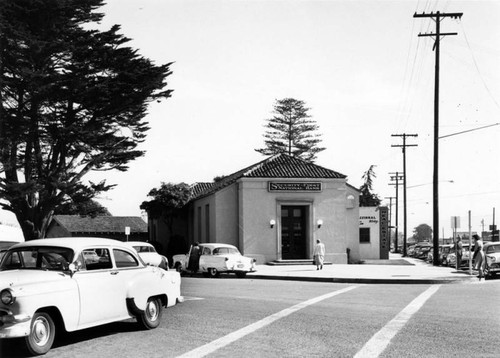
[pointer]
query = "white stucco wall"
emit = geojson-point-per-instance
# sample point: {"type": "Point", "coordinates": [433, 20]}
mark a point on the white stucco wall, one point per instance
{"type": "Point", "coordinates": [258, 206]}
{"type": "Point", "coordinates": [369, 218]}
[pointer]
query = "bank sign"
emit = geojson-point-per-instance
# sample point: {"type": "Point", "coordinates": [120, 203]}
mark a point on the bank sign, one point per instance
{"type": "Point", "coordinates": [289, 186]}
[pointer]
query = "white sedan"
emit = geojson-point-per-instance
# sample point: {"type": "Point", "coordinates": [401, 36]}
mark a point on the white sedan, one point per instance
{"type": "Point", "coordinates": [148, 254]}
{"type": "Point", "coordinates": [215, 259]}
{"type": "Point", "coordinates": [52, 284]}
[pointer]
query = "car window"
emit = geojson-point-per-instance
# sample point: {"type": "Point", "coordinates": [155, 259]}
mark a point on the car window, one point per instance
{"type": "Point", "coordinates": [40, 258]}
{"type": "Point", "coordinates": [206, 251]}
{"type": "Point", "coordinates": [124, 259]}
{"type": "Point", "coordinates": [96, 259]}
{"type": "Point", "coordinates": [492, 249]}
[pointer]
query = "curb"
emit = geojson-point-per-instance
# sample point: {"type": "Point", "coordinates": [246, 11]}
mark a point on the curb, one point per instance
{"type": "Point", "coordinates": [424, 281]}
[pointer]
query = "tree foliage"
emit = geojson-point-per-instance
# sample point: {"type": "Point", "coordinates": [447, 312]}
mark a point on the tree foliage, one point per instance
{"type": "Point", "coordinates": [83, 208]}
{"type": "Point", "coordinates": [367, 198]}
{"type": "Point", "coordinates": [167, 202]}
{"type": "Point", "coordinates": [291, 131]}
{"type": "Point", "coordinates": [67, 91]}
{"type": "Point", "coordinates": [422, 232]}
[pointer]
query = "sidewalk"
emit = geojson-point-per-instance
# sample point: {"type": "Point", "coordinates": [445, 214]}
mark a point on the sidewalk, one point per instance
{"type": "Point", "coordinates": [395, 270]}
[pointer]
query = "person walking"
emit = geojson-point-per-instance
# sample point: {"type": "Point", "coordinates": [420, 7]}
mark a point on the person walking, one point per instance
{"type": "Point", "coordinates": [319, 254]}
{"type": "Point", "coordinates": [478, 257]}
{"type": "Point", "coordinates": [459, 252]}
{"type": "Point", "coordinates": [194, 259]}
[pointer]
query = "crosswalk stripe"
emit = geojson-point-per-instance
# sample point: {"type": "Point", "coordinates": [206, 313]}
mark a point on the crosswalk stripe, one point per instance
{"type": "Point", "coordinates": [379, 342]}
{"type": "Point", "coordinates": [234, 336]}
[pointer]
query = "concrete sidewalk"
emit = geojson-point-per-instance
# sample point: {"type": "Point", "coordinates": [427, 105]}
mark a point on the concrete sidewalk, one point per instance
{"type": "Point", "coordinates": [395, 270]}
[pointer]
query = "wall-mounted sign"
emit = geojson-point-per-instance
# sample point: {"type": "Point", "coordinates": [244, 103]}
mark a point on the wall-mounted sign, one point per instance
{"type": "Point", "coordinates": [385, 239]}
{"type": "Point", "coordinates": [313, 186]}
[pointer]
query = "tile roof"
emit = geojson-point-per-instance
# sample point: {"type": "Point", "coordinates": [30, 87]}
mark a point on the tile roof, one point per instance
{"type": "Point", "coordinates": [277, 166]}
{"type": "Point", "coordinates": [77, 223]}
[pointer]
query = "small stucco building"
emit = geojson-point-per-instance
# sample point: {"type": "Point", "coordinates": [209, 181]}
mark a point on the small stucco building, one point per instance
{"type": "Point", "coordinates": [274, 210]}
{"type": "Point", "coordinates": [374, 234]}
{"type": "Point", "coordinates": [109, 227]}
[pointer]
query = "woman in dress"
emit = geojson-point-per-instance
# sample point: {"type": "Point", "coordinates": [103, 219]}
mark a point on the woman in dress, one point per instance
{"type": "Point", "coordinates": [479, 261]}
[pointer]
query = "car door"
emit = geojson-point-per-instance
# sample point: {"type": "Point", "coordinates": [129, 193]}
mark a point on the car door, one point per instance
{"type": "Point", "coordinates": [100, 289]}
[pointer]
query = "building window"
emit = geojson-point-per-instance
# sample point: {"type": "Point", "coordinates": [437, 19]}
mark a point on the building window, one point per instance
{"type": "Point", "coordinates": [364, 234]}
{"type": "Point", "coordinates": [199, 224]}
{"type": "Point", "coordinates": [207, 223]}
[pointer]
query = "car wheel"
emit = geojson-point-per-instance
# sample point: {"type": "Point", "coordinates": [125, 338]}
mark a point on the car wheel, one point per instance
{"type": "Point", "coordinates": [42, 334]}
{"type": "Point", "coordinates": [241, 274]}
{"type": "Point", "coordinates": [151, 316]}
{"type": "Point", "coordinates": [212, 272]}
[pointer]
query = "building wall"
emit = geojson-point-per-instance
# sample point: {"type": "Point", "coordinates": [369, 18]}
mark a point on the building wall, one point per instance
{"type": "Point", "coordinates": [258, 206]}
{"type": "Point", "coordinates": [369, 219]}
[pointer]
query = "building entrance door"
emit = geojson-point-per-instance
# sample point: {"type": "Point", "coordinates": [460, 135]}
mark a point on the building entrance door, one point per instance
{"type": "Point", "coordinates": [293, 232]}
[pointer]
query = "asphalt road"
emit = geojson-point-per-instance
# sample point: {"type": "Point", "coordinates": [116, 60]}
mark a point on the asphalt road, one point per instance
{"type": "Point", "coordinates": [231, 317]}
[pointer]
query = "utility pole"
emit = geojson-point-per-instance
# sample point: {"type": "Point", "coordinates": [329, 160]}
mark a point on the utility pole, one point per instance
{"type": "Point", "coordinates": [397, 177]}
{"type": "Point", "coordinates": [437, 17]}
{"type": "Point", "coordinates": [390, 222]}
{"type": "Point", "coordinates": [404, 135]}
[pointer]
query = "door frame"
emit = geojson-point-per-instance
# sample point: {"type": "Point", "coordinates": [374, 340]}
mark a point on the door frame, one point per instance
{"type": "Point", "coordinates": [309, 214]}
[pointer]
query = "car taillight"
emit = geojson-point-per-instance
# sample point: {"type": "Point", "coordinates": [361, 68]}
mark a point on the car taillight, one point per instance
{"type": "Point", "coordinates": [7, 297]}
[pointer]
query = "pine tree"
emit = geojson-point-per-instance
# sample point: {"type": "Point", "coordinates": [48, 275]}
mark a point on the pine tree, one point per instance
{"type": "Point", "coordinates": [66, 92]}
{"type": "Point", "coordinates": [291, 131]}
{"type": "Point", "coordinates": [367, 198]}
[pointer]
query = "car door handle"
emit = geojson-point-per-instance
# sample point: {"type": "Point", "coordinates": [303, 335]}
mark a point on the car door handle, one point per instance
{"type": "Point", "coordinates": [114, 272]}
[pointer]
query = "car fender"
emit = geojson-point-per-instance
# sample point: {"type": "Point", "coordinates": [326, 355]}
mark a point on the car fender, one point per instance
{"type": "Point", "coordinates": [161, 284]}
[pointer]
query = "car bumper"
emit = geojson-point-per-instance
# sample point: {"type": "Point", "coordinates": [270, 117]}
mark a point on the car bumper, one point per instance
{"type": "Point", "coordinates": [12, 326]}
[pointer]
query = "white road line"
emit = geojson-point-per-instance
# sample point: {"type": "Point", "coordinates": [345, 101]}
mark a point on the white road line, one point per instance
{"type": "Point", "coordinates": [379, 342]}
{"type": "Point", "coordinates": [232, 337]}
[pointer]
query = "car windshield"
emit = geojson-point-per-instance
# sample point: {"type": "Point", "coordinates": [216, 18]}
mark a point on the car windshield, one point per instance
{"type": "Point", "coordinates": [225, 251]}
{"type": "Point", "coordinates": [142, 249]}
{"type": "Point", "coordinates": [37, 258]}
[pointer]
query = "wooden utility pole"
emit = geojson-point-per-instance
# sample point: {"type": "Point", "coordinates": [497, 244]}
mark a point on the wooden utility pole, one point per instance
{"type": "Point", "coordinates": [397, 177]}
{"type": "Point", "coordinates": [437, 17]}
{"type": "Point", "coordinates": [390, 222]}
{"type": "Point", "coordinates": [404, 135]}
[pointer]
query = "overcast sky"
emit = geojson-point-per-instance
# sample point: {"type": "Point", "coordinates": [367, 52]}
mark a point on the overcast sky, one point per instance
{"type": "Point", "coordinates": [361, 69]}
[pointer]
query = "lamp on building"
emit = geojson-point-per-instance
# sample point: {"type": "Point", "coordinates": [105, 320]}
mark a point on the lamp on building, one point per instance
{"type": "Point", "coordinates": [272, 222]}
{"type": "Point", "coordinates": [319, 222]}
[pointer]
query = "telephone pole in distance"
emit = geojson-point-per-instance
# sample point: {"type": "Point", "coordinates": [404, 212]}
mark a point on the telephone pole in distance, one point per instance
{"type": "Point", "coordinates": [403, 147]}
{"type": "Point", "coordinates": [397, 177]}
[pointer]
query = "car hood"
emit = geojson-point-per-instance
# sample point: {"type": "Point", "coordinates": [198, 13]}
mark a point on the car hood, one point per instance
{"type": "Point", "coordinates": [24, 281]}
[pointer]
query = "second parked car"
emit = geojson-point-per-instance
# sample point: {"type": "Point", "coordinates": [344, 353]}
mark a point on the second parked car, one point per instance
{"type": "Point", "coordinates": [215, 259]}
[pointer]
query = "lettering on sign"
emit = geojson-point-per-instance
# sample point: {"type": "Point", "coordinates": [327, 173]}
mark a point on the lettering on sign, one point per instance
{"type": "Point", "coordinates": [384, 233]}
{"type": "Point", "coordinates": [313, 186]}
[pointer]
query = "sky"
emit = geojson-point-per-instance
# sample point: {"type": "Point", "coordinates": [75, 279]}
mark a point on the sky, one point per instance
{"type": "Point", "coordinates": [358, 65]}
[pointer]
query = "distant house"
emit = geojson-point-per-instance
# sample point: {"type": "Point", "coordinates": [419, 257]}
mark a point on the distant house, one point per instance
{"type": "Point", "coordinates": [110, 227]}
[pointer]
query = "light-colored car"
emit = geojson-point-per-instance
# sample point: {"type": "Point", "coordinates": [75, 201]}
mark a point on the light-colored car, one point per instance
{"type": "Point", "coordinates": [215, 259]}
{"type": "Point", "coordinates": [52, 284]}
{"type": "Point", "coordinates": [492, 255]}
{"type": "Point", "coordinates": [148, 254]}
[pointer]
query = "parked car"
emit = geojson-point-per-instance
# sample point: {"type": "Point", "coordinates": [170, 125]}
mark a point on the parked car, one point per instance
{"type": "Point", "coordinates": [148, 254]}
{"type": "Point", "coordinates": [52, 284]}
{"type": "Point", "coordinates": [444, 251]}
{"type": "Point", "coordinates": [421, 250]}
{"type": "Point", "coordinates": [215, 259]}
{"type": "Point", "coordinates": [451, 259]}
{"type": "Point", "coordinates": [492, 255]}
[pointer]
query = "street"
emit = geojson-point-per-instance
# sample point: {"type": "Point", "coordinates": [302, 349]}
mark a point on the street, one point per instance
{"type": "Point", "coordinates": [230, 317]}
